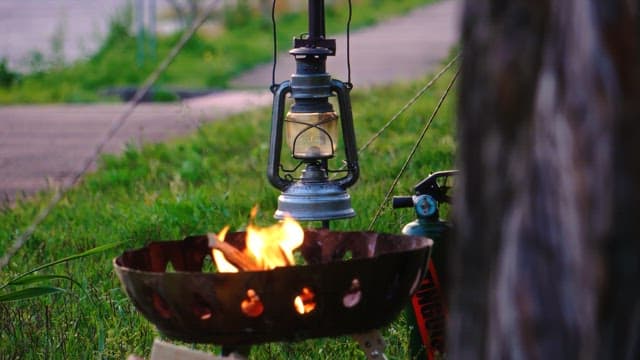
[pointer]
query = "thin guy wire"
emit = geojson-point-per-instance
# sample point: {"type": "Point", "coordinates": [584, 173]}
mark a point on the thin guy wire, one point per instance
{"type": "Point", "coordinates": [409, 103]}
{"type": "Point", "coordinates": [275, 46]}
{"type": "Point", "coordinates": [406, 106]}
{"type": "Point", "coordinates": [115, 127]}
{"type": "Point", "coordinates": [349, 45]}
{"type": "Point", "coordinates": [413, 151]}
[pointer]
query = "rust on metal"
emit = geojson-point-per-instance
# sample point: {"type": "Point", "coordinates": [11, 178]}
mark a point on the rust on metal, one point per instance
{"type": "Point", "coordinates": [360, 281]}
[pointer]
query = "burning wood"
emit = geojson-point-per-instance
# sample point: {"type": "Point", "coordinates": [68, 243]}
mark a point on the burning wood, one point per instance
{"type": "Point", "coordinates": [251, 307]}
{"type": "Point", "coordinates": [266, 248]}
{"type": "Point", "coordinates": [236, 257]}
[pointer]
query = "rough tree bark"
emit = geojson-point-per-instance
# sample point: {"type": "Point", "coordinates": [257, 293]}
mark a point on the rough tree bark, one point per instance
{"type": "Point", "coordinates": [546, 260]}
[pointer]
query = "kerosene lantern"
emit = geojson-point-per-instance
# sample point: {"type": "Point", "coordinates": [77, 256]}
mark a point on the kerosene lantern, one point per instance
{"type": "Point", "coordinates": [311, 127]}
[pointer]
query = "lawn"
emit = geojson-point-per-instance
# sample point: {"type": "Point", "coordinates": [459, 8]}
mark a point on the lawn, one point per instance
{"type": "Point", "coordinates": [191, 186]}
{"type": "Point", "coordinates": [208, 61]}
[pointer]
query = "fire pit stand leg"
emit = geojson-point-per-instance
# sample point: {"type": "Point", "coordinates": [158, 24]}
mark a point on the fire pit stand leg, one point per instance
{"type": "Point", "coordinates": [372, 343]}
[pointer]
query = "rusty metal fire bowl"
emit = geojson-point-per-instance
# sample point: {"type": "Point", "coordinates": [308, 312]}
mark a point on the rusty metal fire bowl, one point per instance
{"type": "Point", "coordinates": [359, 281]}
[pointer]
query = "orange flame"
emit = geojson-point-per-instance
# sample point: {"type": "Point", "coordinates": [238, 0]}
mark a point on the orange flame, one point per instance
{"type": "Point", "coordinates": [221, 262]}
{"type": "Point", "coordinates": [269, 247]}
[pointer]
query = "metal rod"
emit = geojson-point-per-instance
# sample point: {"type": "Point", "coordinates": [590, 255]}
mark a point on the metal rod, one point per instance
{"type": "Point", "coordinates": [316, 19]}
{"type": "Point", "coordinates": [139, 19]}
{"type": "Point", "coordinates": [152, 29]}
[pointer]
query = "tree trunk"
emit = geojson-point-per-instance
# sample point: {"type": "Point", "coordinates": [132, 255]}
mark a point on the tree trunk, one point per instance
{"type": "Point", "coordinates": [546, 259]}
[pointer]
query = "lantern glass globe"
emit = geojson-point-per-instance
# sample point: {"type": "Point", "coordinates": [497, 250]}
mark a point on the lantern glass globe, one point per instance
{"type": "Point", "coordinates": [312, 135]}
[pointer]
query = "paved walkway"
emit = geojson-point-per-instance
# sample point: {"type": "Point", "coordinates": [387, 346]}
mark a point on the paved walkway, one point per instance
{"type": "Point", "coordinates": [45, 145]}
{"type": "Point", "coordinates": [40, 145]}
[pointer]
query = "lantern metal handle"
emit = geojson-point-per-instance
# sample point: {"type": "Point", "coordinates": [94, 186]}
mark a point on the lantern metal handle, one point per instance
{"type": "Point", "coordinates": [351, 150]}
{"type": "Point", "coordinates": [273, 172]}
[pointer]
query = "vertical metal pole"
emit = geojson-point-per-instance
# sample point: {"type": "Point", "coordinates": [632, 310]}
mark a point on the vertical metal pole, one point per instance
{"type": "Point", "coordinates": [316, 19]}
{"type": "Point", "coordinates": [140, 32]}
{"type": "Point", "coordinates": [152, 29]}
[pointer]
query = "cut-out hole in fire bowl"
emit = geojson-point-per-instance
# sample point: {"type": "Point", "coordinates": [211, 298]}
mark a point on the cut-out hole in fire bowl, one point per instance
{"type": "Point", "coordinates": [305, 302]}
{"type": "Point", "coordinates": [251, 305]}
{"type": "Point", "coordinates": [329, 296]}
{"type": "Point", "coordinates": [201, 309]}
{"type": "Point", "coordinates": [353, 295]}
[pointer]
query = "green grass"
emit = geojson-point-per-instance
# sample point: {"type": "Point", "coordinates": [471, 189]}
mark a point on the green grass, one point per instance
{"type": "Point", "coordinates": [206, 62]}
{"type": "Point", "coordinates": [191, 186]}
